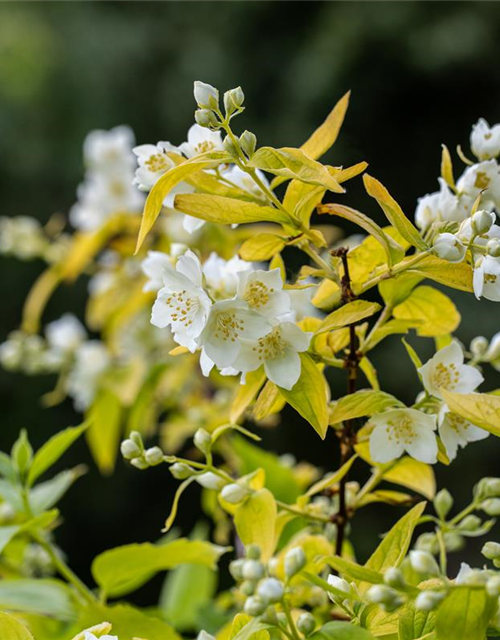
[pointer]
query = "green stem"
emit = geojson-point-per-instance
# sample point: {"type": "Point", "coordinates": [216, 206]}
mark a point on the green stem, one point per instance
{"type": "Point", "coordinates": [291, 623]}
{"type": "Point", "coordinates": [330, 273]}
{"type": "Point", "coordinates": [442, 550]}
{"type": "Point", "coordinates": [393, 271]}
{"type": "Point", "coordinates": [382, 319]}
{"type": "Point", "coordinates": [465, 512]}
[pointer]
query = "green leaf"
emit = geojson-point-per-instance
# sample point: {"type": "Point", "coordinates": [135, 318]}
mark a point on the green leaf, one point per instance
{"type": "Point", "coordinates": [348, 314]}
{"type": "Point", "coordinates": [255, 521]}
{"type": "Point", "coordinates": [127, 622]}
{"type": "Point", "coordinates": [414, 623]}
{"type": "Point", "coordinates": [103, 433]}
{"type": "Point", "coordinates": [46, 494]}
{"type": "Point", "coordinates": [394, 251]}
{"type": "Point", "coordinates": [11, 494]}
{"type": "Point", "coordinates": [124, 569]}
{"type": "Point", "coordinates": [414, 357]}
{"type": "Point", "coordinates": [308, 397]}
{"type": "Point", "coordinates": [52, 450]}
{"type": "Point", "coordinates": [412, 474]}
{"type": "Point", "coordinates": [395, 290]}
{"type": "Point", "coordinates": [464, 614]}
{"type": "Point", "coordinates": [366, 402]}
{"type": "Point", "coordinates": [167, 182]}
{"type": "Point", "coordinates": [393, 212]}
{"type": "Point", "coordinates": [262, 246]}
{"type": "Point", "coordinates": [9, 532]}
{"type": "Point", "coordinates": [454, 275]}
{"type": "Point", "coordinates": [436, 313]}
{"type": "Point", "coordinates": [326, 134]}
{"type": "Point", "coordinates": [447, 167]}
{"type": "Point", "coordinates": [12, 629]}
{"type": "Point", "coordinates": [244, 627]}
{"type": "Point", "coordinates": [22, 452]}
{"type": "Point", "coordinates": [341, 631]}
{"type": "Point", "coordinates": [222, 210]}
{"type": "Point", "coordinates": [482, 409]}
{"type": "Point", "coordinates": [41, 596]}
{"type": "Point", "coordinates": [294, 164]}
{"type": "Point", "coordinates": [353, 571]}
{"type": "Point", "coordinates": [246, 393]}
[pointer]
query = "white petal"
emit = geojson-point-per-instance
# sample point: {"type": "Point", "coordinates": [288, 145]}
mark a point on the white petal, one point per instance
{"type": "Point", "coordinates": [383, 449]}
{"type": "Point", "coordinates": [222, 352]}
{"type": "Point", "coordinates": [450, 439]}
{"type": "Point", "coordinates": [470, 379]}
{"type": "Point", "coordinates": [192, 224]}
{"type": "Point", "coordinates": [424, 446]}
{"type": "Point", "coordinates": [284, 371]}
{"type": "Point", "coordinates": [299, 339]}
{"type": "Point", "coordinates": [206, 363]}
{"type": "Point", "coordinates": [189, 265]}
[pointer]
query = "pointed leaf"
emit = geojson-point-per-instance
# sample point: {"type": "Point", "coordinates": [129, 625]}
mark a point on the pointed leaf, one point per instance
{"type": "Point", "coordinates": [482, 409]}
{"type": "Point", "coordinates": [52, 450]}
{"type": "Point", "coordinates": [255, 521]}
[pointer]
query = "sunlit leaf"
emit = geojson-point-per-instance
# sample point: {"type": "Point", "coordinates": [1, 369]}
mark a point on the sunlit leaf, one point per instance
{"type": "Point", "coordinates": [262, 246]}
{"type": "Point", "coordinates": [255, 521]}
{"type": "Point", "coordinates": [482, 409]}
{"type": "Point", "coordinates": [349, 313]}
{"type": "Point", "coordinates": [436, 313]}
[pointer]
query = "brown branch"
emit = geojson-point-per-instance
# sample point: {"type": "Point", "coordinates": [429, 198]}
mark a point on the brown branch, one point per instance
{"type": "Point", "coordinates": [347, 434]}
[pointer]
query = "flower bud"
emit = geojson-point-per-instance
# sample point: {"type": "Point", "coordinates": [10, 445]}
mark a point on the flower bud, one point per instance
{"type": "Point", "coordinates": [443, 502]}
{"type": "Point", "coordinates": [273, 566]}
{"type": "Point", "coordinates": [427, 542]}
{"type": "Point", "coordinates": [236, 569]}
{"type": "Point", "coordinates": [206, 118]}
{"type": "Point", "coordinates": [270, 616]}
{"type": "Point", "coordinates": [448, 247]}
{"type": "Point", "coordinates": [136, 437]}
{"type": "Point", "coordinates": [491, 506]}
{"type": "Point", "coordinates": [306, 623]}
{"type": "Point", "coordinates": [254, 606]}
{"type": "Point", "coordinates": [233, 493]}
{"type": "Point", "coordinates": [206, 96]}
{"type": "Point", "coordinates": [253, 552]}
{"type": "Point", "coordinates": [248, 587]}
{"type": "Point", "coordinates": [139, 463]}
{"type": "Point", "coordinates": [384, 596]}
{"type": "Point", "coordinates": [491, 550]}
{"type": "Point", "coordinates": [295, 560]}
{"type": "Point", "coordinates": [488, 487]}
{"type": "Point", "coordinates": [210, 480]}
{"type": "Point", "coordinates": [202, 440]}
{"type": "Point", "coordinates": [129, 449]}
{"type": "Point", "coordinates": [229, 146]}
{"type": "Point", "coordinates": [493, 586]}
{"type": "Point", "coordinates": [204, 635]}
{"type": "Point", "coordinates": [482, 221]}
{"type": "Point", "coordinates": [181, 470]}
{"type": "Point", "coordinates": [470, 523]}
{"type": "Point", "coordinates": [248, 141]}
{"type": "Point", "coordinates": [428, 600]}
{"type": "Point", "coordinates": [394, 578]}
{"type": "Point", "coordinates": [233, 100]}
{"type": "Point", "coordinates": [270, 590]}
{"type": "Point", "coordinates": [282, 619]}
{"type": "Point", "coordinates": [479, 346]}
{"type": "Point", "coordinates": [423, 562]}
{"type": "Point", "coordinates": [338, 583]}
{"type": "Point", "coordinates": [154, 456]}
{"type": "Point", "coordinates": [253, 570]}
{"type": "Point", "coordinates": [493, 247]}
{"type": "Point", "coordinates": [453, 541]}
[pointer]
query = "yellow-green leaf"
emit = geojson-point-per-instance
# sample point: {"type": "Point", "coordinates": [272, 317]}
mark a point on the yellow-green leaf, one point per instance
{"type": "Point", "coordinates": [457, 276]}
{"type": "Point", "coordinates": [326, 134]}
{"type": "Point", "coordinates": [350, 313]}
{"type": "Point", "coordinates": [393, 212]}
{"type": "Point", "coordinates": [309, 397]}
{"type": "Point", "coordinates": [255, 521]}
{"type": "Point", "coordinates": [447, 167]}
{"type": "Point", "coordinates": [464, 614]}
{"type": "Point", "coordinates": [103, 434]}
{"type": "Point", "coordinates": [436, 312]}
{"type": "Point", "coordinates": [246, 393]}
{"type": "Point", "coordinates": [482, 409]}
{"type": "Point", "coordinates": [12, 629]}
{"type": "Point", "coordinates": [415, 623]}
{"type": "Point", "coordinates": [366, 402]}
{"type": "Point", "coordinates": [262, 246]}
{"type": "Point", "coordinates": [412, 474]}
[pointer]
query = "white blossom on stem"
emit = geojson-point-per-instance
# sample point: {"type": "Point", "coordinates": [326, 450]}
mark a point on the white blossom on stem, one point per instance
{"type": "Point", "coordinates": [446, 370]}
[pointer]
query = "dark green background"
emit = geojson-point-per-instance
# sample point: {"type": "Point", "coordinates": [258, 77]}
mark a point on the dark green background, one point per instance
{"type": "Point", "coordinates": [420, 72]}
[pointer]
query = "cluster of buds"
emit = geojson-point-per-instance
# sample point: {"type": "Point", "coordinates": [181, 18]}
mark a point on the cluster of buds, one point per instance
{"type": "Point", "coordinates": [208, 113]}
{"type": "Point", "coordinates": [133, 449]}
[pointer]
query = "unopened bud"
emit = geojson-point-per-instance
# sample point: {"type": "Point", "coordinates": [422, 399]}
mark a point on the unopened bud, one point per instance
{"type": "Point", "coordinates": [229, 146]}
{"type": "Point", "coordinates": [448, 247]}
{"type": "Point", "coordinates": [385, 597]}
{"type": "Point", "coordinates": [248, 587]}
{"type": "Point", "coordinates": [202, 440]}
{"type": "Point", "coordinates": [394, 578]}
{"type": "Point", "coordinates": [181, 470]}
{"type": "Point", "coordinates": [210, 480]}
{"type": "Point", "coordinates": [236, 569]}
{"type": "Point", "coordinates": [423, 562]}
{"type": "Point", "coordinates": [248, 142]}
{"type": "Point", "coordinates": [493, 586]}
{"type": "Point", "coordinates": [233, 493]}
{"type": "Point", "coordinates": [204, 635]}
{"type": "Point", "coordinates": [443, 502]}
{"type": "Point", "coordinates": [273, 566]}
{"type": "Point", "coordinates": [270, 590]}
{"type": "Point", "coordinates": [129, 449]}
{"type": "Point", "coordinates": [206, 118]}
{"type": "Point", "coordinates": [488, 487]}
{"type": "Point", "coordinates": [482, 221]}
{"type": "Point", "coordinates": [479, 346]}
{"type": "Point", "coordinates": [253, 552]}
{"type": "Point", "coordinates": [453, 541]}
{"type": "Point", "coordinates": [428, 600]}
{"type": "Point", "coordinates": [306, 623]}
{"type": "Point", "coordinates": [491, 506]}
{"type": "Point", "coordinates": [154, 456]}
{"type": "Point", "coordinates": [254, 606]}
{"type": "Point", "coordinates": [427, 542]}
{"type": "Point", "coordinates": [491, 550]}
{"type": "Point", "coordinates": [253, 570]}
{"type": "Point", "coordinates": [295, 560]}
{"type": "Point", "coordinates": [206, 96]}
{"type": "Point", "coordinates": [139, 463]}
{"type": "Point", "coordinates": [493, 247]}
{"type": "Point", "coordinates": [470, 523]}
{"type": "Point", "coordinates": [338, 583]}
{"type": "Point", "coordinates": [233, 100]}
{"type": "Point", "coordinates": [136, 437]}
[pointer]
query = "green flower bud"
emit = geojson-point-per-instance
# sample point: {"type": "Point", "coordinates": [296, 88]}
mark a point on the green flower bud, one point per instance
{"type": "Point", "coordinates": [453, 541]}
{"type": "Point", "coordinates": [482, 222]}
{"type": "Point", "coordinates": [206, 96]}
{"type": "Point", "coordinates": [22, 452]}
{"type": "Point", "coordinates": [393, 577]}
{"type": "Point", "coordinates": [493, 247]}
{"type": "Point", "coordinates": [154, 456]}
{"type": "Point", "coordinates": [470, 523]}
{"type": "Point", "coordinates": [295, 560]}
{"type": "Point", "coordinates": [491, 550]}
{"type": "Point", "coordinates": [210, 480]}
{"type": "Point", "coordinates": [489, 487]}
{"type": "Point", "coordinates": [272, 566]}
{"type": "Point", "coordinates": [253, 552]}
{"type": "Point", "coordinates": [206, 118]}
{"type": "Point", "coordinates": [493, 586]}
{"type": "Point", "coordinates": [443, 502]}
{"type": "Point", "coordinates": [248, 141]}
{"type": "Point", "coordinates": [306, 623]}
{"type": "Point", "coordinates": [423, 562]}
{"type": "Point", "coordinates": [428, 600]}
{"type": "Point", "coordinates": [254, 606]}
{"type": "Point", "coordinates": [270, 616]}
{"type": "Point", "coordinates": [253, 570]}
{"type": "Point", "coordinates": [236, 569]}
{"type": "Point", "coordinates": [136, 437]}
{"type": "Point", "coordinates": [248, 587]}
{"type": "Point", "coordinates": [130, 450]}
{"type": "Point", "coordinates": [479, 346]}
{"type": "Point", "coordinates": [491, 506]}
{"type": "Point", "coordinates": [282, 619]}
{"type": "Point", "coordinates": [202, 440]}
{"type": "Point", "coordinates": [234, 493]}
{"type": "Point", "coordinates": [427, 542]}
{"type": "Point", "coordinates": [181, 470]}
{"type": "Point", "coordinates": [139, 463]}
{"type": "Point", "coordinates": [385, 597]}
{"type": "Point", "coordinates": [270, 590]}
{"type": "Point", "coordinates": [233, 100]}
{"type": "Point", "coordinates": [229, 146]}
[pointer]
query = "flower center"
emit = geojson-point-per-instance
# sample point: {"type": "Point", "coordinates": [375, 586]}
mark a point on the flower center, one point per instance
{"type": "Point", "coordinates": [402, 430]}
{"type": "Point", "coordinates": [203, 147]}
{"type": "Point", "coordinates": [457, 423]}
{"type": "Point", "coordinates": [445, 376]}
{"type": "Point", "coordinates": [482, 180]}
{"type": "Point", "coordinates": [228, 326]}
{"type": "Point", "coordinates": [158, 162]}
{"type": "Point", "coordinates": [257, 294]}
{"type": "Point", "coordinates": [183, 306]}
{"type": "Point", "coordinates": [271, 346]}
{"type": "Point", "coordinates": [489, 278]}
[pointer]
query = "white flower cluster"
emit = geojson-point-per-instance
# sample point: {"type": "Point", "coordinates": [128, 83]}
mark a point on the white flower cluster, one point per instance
{"type": "Point", "coordinates": [154, 161]}
{"type": "Point", "coordinates": [107, 188]}
{"type": "Point", "coordinates": [238, 317]}
{"type": "Point", "coordinates": [411, 430]}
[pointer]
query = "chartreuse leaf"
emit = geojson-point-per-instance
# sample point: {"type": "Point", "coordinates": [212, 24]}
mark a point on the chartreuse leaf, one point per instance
{"type": "Point", "coordinates": [262, 246]}
{"type": "Point", "coordinates": [454, 275]}
{"type": "Point", "coordinates": [270, 401]}
{"type": "Point", "coordinates": [255, 521]}
{"type": "Point", "coordinates": [464, 614]}
{"type": "Point", "coordinates": [128, 623]}
{"type": "Point", "coordinates": [353, 571]}
{"type": "Point", "coordinates": [415, 623]}
{"type": "Point", "coordinates": [366, 402]}
{"type": "Point", "coordinates": [412, 474]}
{"type": "Point", "coordinates": [103, 434]}
{"type": "Point", "coordinates": [167, 182]}
{"type": "Point", "coordinates": [341, 631]}
{"type": "Point", "coordinates": [244, 627]}
{"type": "Point", "coordinates": [394, 251]}
{"type": "Point", "coordinates": [124, 569]}
{"type": "Point", "coordinates": [12, 629]}
{"type": "Point", "coordinates": [447, 167]}
{"type": "Point", "coordinates": [436, 312]}
{"type": "Point", "coordinates": [301, 198]}
{"type": "Point", "coordinates": [294, 164]}
{"type": "Point", "coordinates": [52, 450]}
{"type": "Point", "coordinates": [309, 396]}
{"type": "Point", "coordinates": [326, 134]}
{"type": "Point", "coordinates": [246, 393]}
{"type": "Point", "coordinates": [348, 314]}
{"type": "Point", "coordinates": [395, 290]}
{"type": "Point", "coordinates": [393, 212]}
{"type": "Point", "coordinates": [41, 596]}
{"type": "Point", "coordinates": [482, 409]}
{"type": "Point", "coordinates": [223, 210]}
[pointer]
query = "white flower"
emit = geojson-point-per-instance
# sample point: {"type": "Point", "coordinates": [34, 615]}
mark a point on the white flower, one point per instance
{"type": "Point", "coordinates": [109, 150]}
{"type": "Point", "coordinates": [263, 291]}
{"type": "Point", "coordinates": [65, 335]}
{"type": "Point", "coordinates": [446, 370]}
{"type": "Point", "coordinates": [339, 583]}
{"type": "Point", "coordinates": [153, 163]}
{"type": "Point", "coordinates": [182, 303]}
{"type": "Point", "coordinates": [485, 140]}
{"type": "Point", "coordinates": [153, 266]}
{"type": "Point", "coordinates": [440, 206]}
{"type": "Point", "coordinates": [91, 636]}
{"type": "Point", "coordinates": [244, 181]}
{"type": "Point", "coordinates": [230, 322]}
{"type": "Point", "coordinates": [483, 176]}
{"type": "Point", "coordinates": [465, 571]}
{"type": "Point", "coordinates": [486, 279]}
{"type": "Point", "coordinates": [91, 361]}
{"type": "Point", "coordinates": [400, 430]}
{"type": "Point", "coordinates": [278, 352]}
{"type": "Point", "coordinates": [301, 305]}
{"type": "Point", "coordinates": [448, 247]}
{"type": "Point", "coordinates": [456, 431]}
{"type": "Point", "coordinates": [222, 275]}
{"type": "Point", "coordinates": [201, 140]}
{"type": "Point", "coordinates": [22, 237]}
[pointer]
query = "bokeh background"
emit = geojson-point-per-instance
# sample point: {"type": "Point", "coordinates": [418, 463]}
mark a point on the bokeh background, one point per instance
{"type": "Point", "coordinates": [420, 73]}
